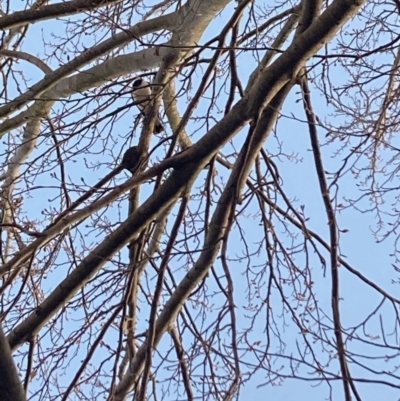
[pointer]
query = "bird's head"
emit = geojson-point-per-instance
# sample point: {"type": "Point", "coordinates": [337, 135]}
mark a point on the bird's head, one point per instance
{"type": "Point", "coordinates": [138, 83]}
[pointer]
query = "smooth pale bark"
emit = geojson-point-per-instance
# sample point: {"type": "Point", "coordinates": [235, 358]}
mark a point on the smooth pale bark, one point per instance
{"type": "Point", "coordinates": [267, 90]}
{"type": "Point", "coordinates": [274, 78]}
{"type": "Point", "coordinates": [213, 241]}
{"type": "Point", "coordinates": [187, 25]}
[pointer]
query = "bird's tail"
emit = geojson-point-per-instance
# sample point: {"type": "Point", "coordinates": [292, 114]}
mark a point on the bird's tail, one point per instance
{"type": "Point", "coordinates": [158, 127]}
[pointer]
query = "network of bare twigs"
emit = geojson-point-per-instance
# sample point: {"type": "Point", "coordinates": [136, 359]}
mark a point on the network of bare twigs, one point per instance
{"type": "Point", "coordinates": [210, 260]}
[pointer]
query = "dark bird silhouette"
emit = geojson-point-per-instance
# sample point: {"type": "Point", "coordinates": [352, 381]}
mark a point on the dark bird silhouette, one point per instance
{"type": "Point", "coordinates": [133, 160]}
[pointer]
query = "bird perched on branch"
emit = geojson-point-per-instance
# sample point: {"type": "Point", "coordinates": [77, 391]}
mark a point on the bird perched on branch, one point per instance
{"type": "Point", "coordinates": [141, 94]}
{"type": "Point", "coordinates": [134, 159]}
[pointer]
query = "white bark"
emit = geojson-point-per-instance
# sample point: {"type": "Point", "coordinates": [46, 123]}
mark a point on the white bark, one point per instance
{"type": "Point", "coordinates": [187, 25]}
{"type": "Point", "coordinates": [265, 84]}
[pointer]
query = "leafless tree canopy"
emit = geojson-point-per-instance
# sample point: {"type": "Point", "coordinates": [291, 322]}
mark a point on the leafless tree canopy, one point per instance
{"type": "Point", "coordinates": [227, 255]}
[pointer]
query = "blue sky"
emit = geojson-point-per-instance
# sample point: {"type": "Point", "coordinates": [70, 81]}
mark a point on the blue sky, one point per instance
{"type": "Point", "coordinates": [299, 181]}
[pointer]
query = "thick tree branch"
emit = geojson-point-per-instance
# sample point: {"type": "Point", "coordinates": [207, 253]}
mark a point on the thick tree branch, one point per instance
{"type": "Point", "coordinates": [213, 241]}
{"type": "Point", "coordinates": [277, 44]}
{"type": "Point", "coordinates": [52, 11]}
{"type": "Point", "coordinates": [160, 200]}
{"type": "Point", "coordinates": [288, 65]}
{"type": "Point", "coordinates": [51, 79]}
{"type": "Point", "coordinates": [193, 159]}
{"type": "Point", "coordinates": [187, 25]}
{"type": "Point", "coordinates": [30, 58]}
{"type": "Point", "coordinates": [10, 384]}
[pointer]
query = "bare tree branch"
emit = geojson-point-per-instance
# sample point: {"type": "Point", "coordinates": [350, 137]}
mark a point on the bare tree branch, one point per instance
{"type": "Point", "coordinates": [27, 57]}
{"type": "Point", "coordinates": [10, 384]}
{"type": "Point", "coordinates": [53, 10]}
